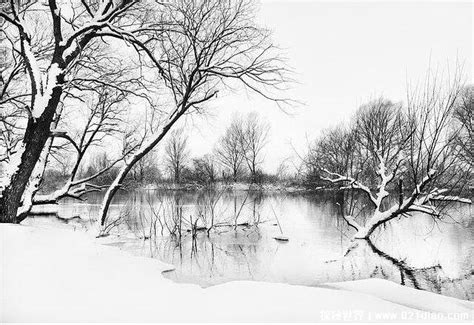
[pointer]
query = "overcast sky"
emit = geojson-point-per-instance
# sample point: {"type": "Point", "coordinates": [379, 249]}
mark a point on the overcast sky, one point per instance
{"type": "Point", "coordinates": [345, 53]}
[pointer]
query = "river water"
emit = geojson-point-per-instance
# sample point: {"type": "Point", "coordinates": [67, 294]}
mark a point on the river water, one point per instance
{"type": "Point", "coordinates": [414, 251]}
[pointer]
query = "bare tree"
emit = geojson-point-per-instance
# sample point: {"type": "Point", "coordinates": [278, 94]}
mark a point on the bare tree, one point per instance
{"type": "Point", "coordinates": [9, 132]}
{"type": "Point", "coordinates": [204, 169]}
{"type": "Point", "coordinates": [11, 113]}
{"type": "Point", "coordinates": [209, 46]}
{"type": "Point", "coordinates": [380, 129]}
{"type": "Point", "coordinates": [253, 138]}
{"type": "Point", "coordinates": [335, 150]}
{"type": "Point", "coordinates": [99, 161]}
{"type": "Point", "coordinates": [102, 120]}
{"type": "Point", "coordinates": [414, 146]}
{"type": "Point", "coordinates": [464, 115]}
{"type": "Point", "coordinates": [52, 43]}
{"type": "Point", "coordinates": [283, 171]}
{"type": "Point", "coordinates": [176, 154]}
{"type": "Point", "coordinates": [228, 149]}
{"type": "Point", "coordinates": [146, 170]}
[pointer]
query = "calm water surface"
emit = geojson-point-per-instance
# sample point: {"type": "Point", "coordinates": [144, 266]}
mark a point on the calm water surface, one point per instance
{"type": "Point", "coordinates": [415, 251]}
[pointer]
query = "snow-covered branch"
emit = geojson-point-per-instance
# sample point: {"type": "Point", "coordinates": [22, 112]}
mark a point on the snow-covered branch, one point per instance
{"type": "Point", "coordinates": [67, 191]}
{"type": "Point", "coordinates": [451, 198]}
{"type": "Point", "coordinates": [385, 178]}
{"type": "Point", "coordinates": [353, 184]}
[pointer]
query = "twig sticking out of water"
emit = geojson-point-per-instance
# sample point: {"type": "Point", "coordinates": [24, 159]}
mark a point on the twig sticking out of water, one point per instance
{"type": "Point", "coordinates": [278, 221]}
{"type": "Point", "coordinates": [282, 237]}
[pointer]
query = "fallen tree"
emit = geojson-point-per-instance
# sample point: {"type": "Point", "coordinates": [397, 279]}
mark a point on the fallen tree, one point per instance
{"type": "Point", "coordinates": [414, 146]}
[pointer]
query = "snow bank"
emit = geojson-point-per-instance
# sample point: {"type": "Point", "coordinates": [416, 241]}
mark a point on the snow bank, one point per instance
{"type": "Point", "coordinates": [410, 297]}
{"type": "Point", "coordinates": [57, 275]}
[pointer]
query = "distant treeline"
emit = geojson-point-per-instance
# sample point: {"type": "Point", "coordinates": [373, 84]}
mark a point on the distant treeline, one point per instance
{"type": "Point", "coordinates": [379, 127]}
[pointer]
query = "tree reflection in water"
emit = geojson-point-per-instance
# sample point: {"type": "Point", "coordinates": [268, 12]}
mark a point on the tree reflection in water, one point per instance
{"type": "Point", "coordinates": [197, 232]}
{"type": "Point", "coordinates": [236, 255]}
{"type": "Point", "coordinates": [380, 264]}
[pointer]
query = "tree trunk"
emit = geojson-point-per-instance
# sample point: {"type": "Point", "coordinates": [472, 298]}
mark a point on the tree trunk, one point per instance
{"type": "Point", "coordinates": [114, 187]}
{"type": "Point", "coordinates": [176, 175]}
{"type": "Point", "coordinates": [36, 135]}
{"type": "Point", "coordinates": [117, 183]}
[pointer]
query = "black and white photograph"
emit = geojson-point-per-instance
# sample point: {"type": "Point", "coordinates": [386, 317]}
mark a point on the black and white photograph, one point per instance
{"type": "Point", "coordinates": [236, 161]}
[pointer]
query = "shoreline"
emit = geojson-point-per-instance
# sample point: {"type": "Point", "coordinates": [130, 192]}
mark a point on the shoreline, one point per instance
{"type": "Point", "coordinates": [238, 186]}
{"type": "Point", "coordinates": [52, 274]}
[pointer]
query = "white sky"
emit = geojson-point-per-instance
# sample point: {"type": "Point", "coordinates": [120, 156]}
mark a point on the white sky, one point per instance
{"type": "Point", "coordinates": [345, 53]}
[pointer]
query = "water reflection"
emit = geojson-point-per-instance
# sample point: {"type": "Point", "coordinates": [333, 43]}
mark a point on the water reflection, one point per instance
{"type": "Point", "coordinates": [380, 264]}
{"type": "Point", "coordinates": [215, 236]}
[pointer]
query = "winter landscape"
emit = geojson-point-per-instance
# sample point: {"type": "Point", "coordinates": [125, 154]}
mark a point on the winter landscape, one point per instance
{"type": "Point", "coordinates": [236, 161]}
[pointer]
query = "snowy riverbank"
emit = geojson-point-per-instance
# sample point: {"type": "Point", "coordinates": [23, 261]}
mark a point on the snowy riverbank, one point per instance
{"type": "Point", "coordinates": [57, 275]}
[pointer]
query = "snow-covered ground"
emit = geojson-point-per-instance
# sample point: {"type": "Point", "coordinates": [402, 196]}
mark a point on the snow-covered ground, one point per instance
{"type": "Point", "coordinates": [57, 275]}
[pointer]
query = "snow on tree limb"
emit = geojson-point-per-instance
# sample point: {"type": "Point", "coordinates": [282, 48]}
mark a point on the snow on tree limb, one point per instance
{"type": "Point", "coordinates": [34, 182]}
{"type": "Point", "coordinates": [451, 198]}
{"type": "Point", "coordinates": [42, 99]}
{"type": "Point", "coordinates": [12, 166]}
{"type": "Point", "coordinates": [415, 203]}
{"type": "Point", "coordinates": [33, 66]}
{"type": "Point", "coordinates": [423, 154]}
{"type": "Point", "coordinates": [354, 184]}
{"type": "Point", "coordinates": [385, 179]}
